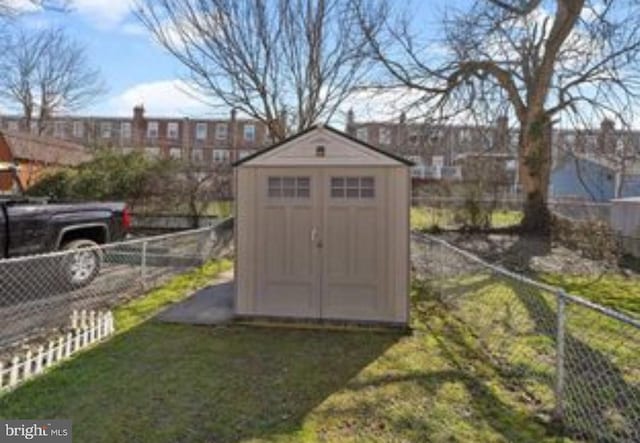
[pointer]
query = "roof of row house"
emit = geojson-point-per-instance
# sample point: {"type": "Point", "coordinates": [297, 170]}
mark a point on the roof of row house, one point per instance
{"type": "Point", "coordinates": [43, 149]}
{"type": "Point", "coordinates": [331, 130]}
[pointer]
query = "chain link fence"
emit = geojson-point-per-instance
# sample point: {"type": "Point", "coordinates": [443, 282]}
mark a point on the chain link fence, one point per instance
{"type": "Point", "coordinates": [581, 210]}
{"type": "Point", "coordinates": [573, 361]}
{"type": "Point", "coordinates": [39, 293]}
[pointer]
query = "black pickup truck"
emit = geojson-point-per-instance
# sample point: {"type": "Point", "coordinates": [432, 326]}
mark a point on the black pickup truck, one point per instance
{"type": "Point", "coordinates": [36, 226]}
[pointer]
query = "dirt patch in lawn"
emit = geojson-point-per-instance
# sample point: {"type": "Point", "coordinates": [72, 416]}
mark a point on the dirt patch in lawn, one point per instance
{"type": "Point", "coordinates": [530, 254]}
{"type": "Point", "coordinates": [600, 281]}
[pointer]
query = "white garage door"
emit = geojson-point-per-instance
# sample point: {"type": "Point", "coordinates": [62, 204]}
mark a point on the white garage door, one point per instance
{"type": "Point", "coordinates": [322, 242]}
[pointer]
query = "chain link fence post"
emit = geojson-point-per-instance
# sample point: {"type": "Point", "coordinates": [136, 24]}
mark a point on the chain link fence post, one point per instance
{"type": "Point", "coordinates": [143, 265]}
{"type": "Point", "coordinates": [558, 413]}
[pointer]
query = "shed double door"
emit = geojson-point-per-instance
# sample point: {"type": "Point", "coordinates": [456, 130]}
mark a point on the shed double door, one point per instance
{"type": "Point", "coordinates": [322, 243]}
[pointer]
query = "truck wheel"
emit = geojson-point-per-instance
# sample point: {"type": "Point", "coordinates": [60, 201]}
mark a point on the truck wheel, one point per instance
{"type": "Point", "coordinates": [81, 267]}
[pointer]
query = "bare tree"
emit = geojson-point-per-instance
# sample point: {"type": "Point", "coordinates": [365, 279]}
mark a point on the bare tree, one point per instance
{"type": "Point", "coordinates": [287, 63]}
{"type": "Point", "coordinates": [536, 61]}
{"type": "Point", "coordinates": [190, 185]}
{"type": "Point", "coordinates": [203, 186]}
{"type": "Point", "coordinates": [45, 73]}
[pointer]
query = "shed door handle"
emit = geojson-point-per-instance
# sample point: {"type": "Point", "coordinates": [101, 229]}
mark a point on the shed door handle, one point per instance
{"type": "Point", "coordinates": [315, 238]}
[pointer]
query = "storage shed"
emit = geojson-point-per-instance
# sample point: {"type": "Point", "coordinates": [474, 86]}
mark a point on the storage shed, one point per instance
{"type": "Point", "coordinates": [322, 231]}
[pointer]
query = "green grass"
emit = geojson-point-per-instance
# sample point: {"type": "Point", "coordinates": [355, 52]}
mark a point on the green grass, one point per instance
{"type": "Point", "coordinates": [612, 290]}
{"type": "Point", "coordinates": [426, 217]}
{"type": "Point", "coordinates": [504, 218]}
{"type": "Point", "coordinates": [140, 309]}
{"type": "Point", "coordinates": [156, 382]}
{"type": "Point", "coordinates": [477, 366]}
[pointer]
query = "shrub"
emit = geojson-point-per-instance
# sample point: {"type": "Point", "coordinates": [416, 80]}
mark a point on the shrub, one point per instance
{"type": "Point", "coordinates": [55, 185]}
{"type": "Point", "coordinates": [473, 214]}
{"type": "Point", "coordinates": [593, 238]}
{"type": "Point", "coordinates": [109, 176]}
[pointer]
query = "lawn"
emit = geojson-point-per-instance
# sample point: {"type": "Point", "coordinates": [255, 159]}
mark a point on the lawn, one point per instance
{"type": "Point", "coordinates": [427, 217]}
{"type": "Point", "coordinates": [613, 290]}
{"type": "Point", "coordinates": [156, 382]}
{"type": "Point", "coordinates": [443, 382]}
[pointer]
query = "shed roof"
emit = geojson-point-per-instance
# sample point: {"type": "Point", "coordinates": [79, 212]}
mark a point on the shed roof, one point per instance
{"type": "Point", "coordinates": [331, 130]}
{"type": "Point", "coordinates": [43, 149]}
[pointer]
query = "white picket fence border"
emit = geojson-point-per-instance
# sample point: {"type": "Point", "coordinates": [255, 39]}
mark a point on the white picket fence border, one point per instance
{"type": "Point", "coordinates": [88, 328]}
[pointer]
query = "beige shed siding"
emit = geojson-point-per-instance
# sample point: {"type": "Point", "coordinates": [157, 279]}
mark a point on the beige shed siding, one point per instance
{"type": "Point", "coordinates": [246, 241]}
{"type": "Point", "coordinates": [339, 152]}
{"type": "Point", "coordinates": [390, 223]}
{"type": "Point", "coordinates": [402, 184]}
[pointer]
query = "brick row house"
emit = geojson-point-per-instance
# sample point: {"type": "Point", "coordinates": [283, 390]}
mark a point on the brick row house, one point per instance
{"type": "Point", "coordinates": [443, 151]}
{"type": "Point", "coordinates": [467, 152]}
{"type": "Point", "coordinates": [203, 141]}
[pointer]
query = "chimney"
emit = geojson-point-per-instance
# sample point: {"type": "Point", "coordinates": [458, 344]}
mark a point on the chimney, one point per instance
{"type": "Point", "coordinates": [233, 129]}
{"type": "Point", "coordinates": [402, 134]}
{"type": "Point", "coordinates": [501, 140]}
{"type": "Point", "coordinates": [187, 131]}
{"type": "Point", "coordinates": [138, 112]}
{"type": "Point", "coordinates": [282, 124]}
{"type": "Point", "coordinates": [607, 125]}
{"type": "Point", "coordinates": [139, 125]}
{"type": "Point", "coordinates": [606, 144]}
{"type": "Point", "coordinates": [351, 121]}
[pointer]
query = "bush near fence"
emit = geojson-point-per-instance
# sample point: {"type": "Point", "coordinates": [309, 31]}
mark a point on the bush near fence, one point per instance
{"type": "Point", "coordinates": [593, 238]}
{"type": "Point", "coordinates": [575, 362]}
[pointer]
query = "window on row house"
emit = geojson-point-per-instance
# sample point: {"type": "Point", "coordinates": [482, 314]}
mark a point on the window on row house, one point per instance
{"type": "Point", "coordinates": [384, 135]}
{"type": "Point", "coordinates": [172, 130]}
{"type": "Point", "coordinates": [78, 129]}
{"type": "Point", "coordinates": [152, 130]}
{"type": "Point", "coordinates": [220, 155]}
{"type": "Point", "coordinates": [249, 133]}
{"type": "Point", "coordinates": [222, 131]}
{"type": "Point", "coordinates": [175, 153]}
{"type": "Point", "coordinates": [197, 155]}
{"type": "Point", "coordinates": [362, 134]}
{"type": "Point", "coordinates": [243, 154]}
{"type": "Point", "coordinates": [201, 131]}
{"type": "Point", "coordinates": [105, 129]}
{"type": "Point", "coordinates": [58, 129]}
{"type": "Point", "coordinates": [125, 129]}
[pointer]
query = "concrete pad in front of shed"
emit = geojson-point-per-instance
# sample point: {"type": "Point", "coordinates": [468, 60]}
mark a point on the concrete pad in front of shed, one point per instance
{"type": "Point", "coordinates": [211, 305]}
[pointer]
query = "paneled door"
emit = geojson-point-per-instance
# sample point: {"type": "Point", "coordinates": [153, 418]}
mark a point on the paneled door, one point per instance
{"type": "Point", "coordinates": [322, 243]}
{"type": "Point", "coordinates": [289, 263]}
{"type": "Point", "coordinates": [354, 244]}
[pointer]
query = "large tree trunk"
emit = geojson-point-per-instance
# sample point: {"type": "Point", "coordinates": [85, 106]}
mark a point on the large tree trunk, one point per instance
{"type": "Point", "coordinates": [535, 171]}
